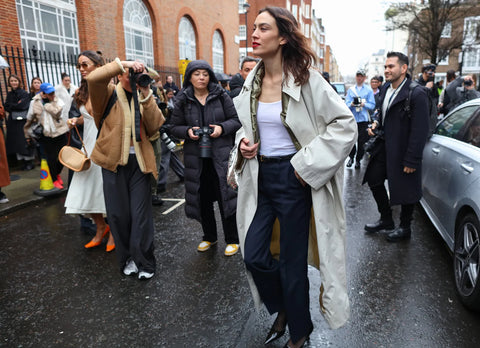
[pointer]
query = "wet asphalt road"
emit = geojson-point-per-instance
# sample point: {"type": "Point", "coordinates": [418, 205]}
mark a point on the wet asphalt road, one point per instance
{"type": "Point", "coordinates": [54, 293]}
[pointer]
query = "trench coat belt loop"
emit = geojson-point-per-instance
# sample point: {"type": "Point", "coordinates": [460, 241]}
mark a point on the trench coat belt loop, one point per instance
{"type": "Point", "coordinates": [262, 158]}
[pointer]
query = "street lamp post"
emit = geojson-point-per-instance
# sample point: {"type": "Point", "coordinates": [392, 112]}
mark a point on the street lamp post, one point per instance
{"type": "Point", "coordinates": [246, 6]}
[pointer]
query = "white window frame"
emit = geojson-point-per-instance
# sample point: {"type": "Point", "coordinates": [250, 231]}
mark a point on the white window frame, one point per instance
{"type": "Point", "coordinates": [187, 41]}
{"type": "Point", "coordinates": [447, 30]}
{"type": "Point", "coordinates": [137, 26]}
{"type": "Point", "coordinates": [217, 52]}
{"type": "Point", "coordinates": [471, 25]}
{"type": "Point", "coordinates": [295, 11]}
{"type": "Point", "coordinates": [471, 59]}
{"type": "Point", "coordinates": [34, 32]}
{"type": "Point", "coordinates": [242, 32]}
{"type": "Point", "coordinates": [444, 61]}
{"type": "Point", "coordinates": [240, 6]}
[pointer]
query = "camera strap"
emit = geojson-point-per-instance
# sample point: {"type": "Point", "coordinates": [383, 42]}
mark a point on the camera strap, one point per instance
{"type": "Point", "coordinates": [111, 102]}
{"type": "Point", "coordinates": [138, 116]}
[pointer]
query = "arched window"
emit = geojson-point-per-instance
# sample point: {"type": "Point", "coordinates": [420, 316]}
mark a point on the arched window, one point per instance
{"type": "Point", "coordinates": [138, 31]}
{"type": "Point", "coordinates": [187, 43]}
{"type": "Point", "coordinates": [217, 52]}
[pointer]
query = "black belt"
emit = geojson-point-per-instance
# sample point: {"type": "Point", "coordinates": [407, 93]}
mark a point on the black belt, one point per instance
{"type": "Point", "coordinates": [262, 158]}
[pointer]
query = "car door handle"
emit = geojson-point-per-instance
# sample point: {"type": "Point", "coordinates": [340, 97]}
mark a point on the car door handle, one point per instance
{"type": "Point", "coordinates": [466, 168]}
{"type": "Point", "coordinates": [435, 150]}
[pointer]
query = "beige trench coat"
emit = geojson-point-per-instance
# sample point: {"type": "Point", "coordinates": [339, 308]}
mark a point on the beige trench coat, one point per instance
{"type": "Point", "coordinates": [326, 130]}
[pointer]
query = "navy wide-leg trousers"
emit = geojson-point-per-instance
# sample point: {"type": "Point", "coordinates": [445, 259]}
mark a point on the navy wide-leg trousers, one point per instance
{"type": "Point", "coordinates": [283, 284]}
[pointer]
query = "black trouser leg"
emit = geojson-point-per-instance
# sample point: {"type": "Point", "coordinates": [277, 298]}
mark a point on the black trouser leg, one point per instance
{"type": "Point", "coordinates": [375, 176]}
{"type": "Point", "coordinates": [353, 152]}
{"type": "Point", "coordinates": [383, 203]}
{"type": "Point", "coordinates": [406, 215]}
{"type": "Point", "coordinates": [362, 139]}
{"type": "Point", "coordinates": [209, 187]}
{"type": "Point", "coordinates": [129, 211]}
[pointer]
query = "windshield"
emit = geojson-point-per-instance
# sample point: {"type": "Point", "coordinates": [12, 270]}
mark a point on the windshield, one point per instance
{"type": "Point", "coordinates": [340, 88]}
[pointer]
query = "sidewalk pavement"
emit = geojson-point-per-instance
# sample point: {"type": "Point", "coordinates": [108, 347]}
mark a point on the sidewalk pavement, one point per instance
{"type": "Point", "coordinates": [20, 191]}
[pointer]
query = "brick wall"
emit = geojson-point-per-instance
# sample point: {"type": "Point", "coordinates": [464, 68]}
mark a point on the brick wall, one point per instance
{"type": "Point", "coordinates": [100, 27]}
{"type": "Point", "coordinates": [9, 32]}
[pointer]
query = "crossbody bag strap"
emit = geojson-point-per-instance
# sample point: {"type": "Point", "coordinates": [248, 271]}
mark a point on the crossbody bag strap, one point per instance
{"type": "Point", "coordinates": [81, 140]}
{"type": "Point", "coordinates": [111, 102]}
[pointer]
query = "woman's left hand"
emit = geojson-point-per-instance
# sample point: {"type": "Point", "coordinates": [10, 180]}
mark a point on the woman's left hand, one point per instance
{"type": "Point", "coordinates": [217, 130]}
{"type": "Point", "coordinates": [300, 179]}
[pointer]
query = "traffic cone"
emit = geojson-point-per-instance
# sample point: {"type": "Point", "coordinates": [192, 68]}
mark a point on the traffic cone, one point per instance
{"type": "Point", "coordinates": [46, 183]}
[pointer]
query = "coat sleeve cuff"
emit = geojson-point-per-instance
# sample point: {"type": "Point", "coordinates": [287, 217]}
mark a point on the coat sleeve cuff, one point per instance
{"type": "Point", "coordinates": [117, 60]}
{"type": "Point", "coordinates": [144, 100]}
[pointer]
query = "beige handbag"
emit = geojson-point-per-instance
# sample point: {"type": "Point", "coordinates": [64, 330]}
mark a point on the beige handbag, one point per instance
{"type": "Point", "coordinates": [74, 158]}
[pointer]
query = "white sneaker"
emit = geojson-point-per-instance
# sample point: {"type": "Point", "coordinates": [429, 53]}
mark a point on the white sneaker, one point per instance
{"type": "Point", "coordinates": [231, 249]}
{"type": "Point", "coordinates": [205, 245]}
{"type": "Point", "coordinates": [130, 268]}
{"type": "Point", "coordinates": [145, 275]}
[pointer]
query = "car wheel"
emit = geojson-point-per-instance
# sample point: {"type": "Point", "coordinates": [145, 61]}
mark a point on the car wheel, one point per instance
{"type": "Point", "coordinates": [467, 261]}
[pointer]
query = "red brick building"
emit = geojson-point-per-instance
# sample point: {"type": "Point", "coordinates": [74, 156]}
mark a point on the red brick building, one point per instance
{"type": "Point", "coordinates": [160, 32]}
{"type": "Point", "coordinates": [248, 11]}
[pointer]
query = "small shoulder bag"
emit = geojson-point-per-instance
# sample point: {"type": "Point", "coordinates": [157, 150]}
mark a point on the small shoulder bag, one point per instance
{"type": "Point", "coordinates": [73, 158]}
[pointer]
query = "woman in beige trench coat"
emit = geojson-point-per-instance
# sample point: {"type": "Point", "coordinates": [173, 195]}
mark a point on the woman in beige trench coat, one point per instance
{"type": "Point", "coordinates": [320, 133]}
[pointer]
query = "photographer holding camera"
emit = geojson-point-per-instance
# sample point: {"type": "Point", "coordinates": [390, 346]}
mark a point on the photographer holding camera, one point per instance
{"type": "Point", "coordinates": [125, 119]}
{"type": "Point", "coordinates": [360, 100]}
{"type": "Point", "coordinates": [204, 115]}
{"type": "Point", "coordinates": [169, 157]}
{"type": "Point", "coordinates": [466, 92]}
{"type": "Point", "coordinates": [398, 156]}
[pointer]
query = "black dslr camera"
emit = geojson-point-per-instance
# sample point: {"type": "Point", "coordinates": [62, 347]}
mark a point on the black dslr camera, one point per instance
{"type": "Point", "coordinates": [141, 78]}
{"type": "Point", "coordinates": [204, 143]}
{"type": "Point", "coordinates": [372, 146]}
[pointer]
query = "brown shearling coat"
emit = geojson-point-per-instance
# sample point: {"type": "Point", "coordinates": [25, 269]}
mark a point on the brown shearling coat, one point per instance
{"type": "Point", "coordinates": [118, 130]}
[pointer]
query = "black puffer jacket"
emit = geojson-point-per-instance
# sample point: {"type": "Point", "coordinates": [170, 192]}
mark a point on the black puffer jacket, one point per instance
{"type": "Point", "coordinates": [236, 84]}
{"type": "Point", "coordinates": [218, 110]}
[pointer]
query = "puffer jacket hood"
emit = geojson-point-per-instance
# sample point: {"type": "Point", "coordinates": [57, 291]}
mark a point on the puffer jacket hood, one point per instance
{"type": "Point", "coordinates": [196, 65]}
{"type": "Point", "coordinates": [236, 81]}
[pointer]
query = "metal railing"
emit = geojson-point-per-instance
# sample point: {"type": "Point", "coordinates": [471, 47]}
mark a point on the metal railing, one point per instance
{"type": "Point", "coordinates": [49, 66]}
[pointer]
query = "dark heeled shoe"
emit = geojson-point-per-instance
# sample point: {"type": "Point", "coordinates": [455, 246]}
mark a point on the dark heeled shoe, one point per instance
{"type": "Point", "coordinates": [274, 333]}
{"type": "Point", "coordinates": [307, 338]}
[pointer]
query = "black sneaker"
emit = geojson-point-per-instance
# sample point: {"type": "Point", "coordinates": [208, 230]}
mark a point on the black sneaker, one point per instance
{"type": "Point", "coordinates": [399, 234]}
{"type": "Point", "coordinates": [156, 200]}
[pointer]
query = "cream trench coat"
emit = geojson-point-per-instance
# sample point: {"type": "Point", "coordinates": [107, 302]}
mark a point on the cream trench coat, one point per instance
{"type": "Point", "coordinates": [326, 130]}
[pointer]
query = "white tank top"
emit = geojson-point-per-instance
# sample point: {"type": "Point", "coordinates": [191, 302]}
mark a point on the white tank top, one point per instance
{"type": "Point", "coordinates": [274, 137]}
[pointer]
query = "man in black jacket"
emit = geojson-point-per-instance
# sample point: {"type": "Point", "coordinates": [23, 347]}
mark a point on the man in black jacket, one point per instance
{"type": "Point", "coordinates": [403, 118]}
{"type": "Point", "coordinates": [171, 84]}
{"type": "Point", "coordinates": [236, 83]}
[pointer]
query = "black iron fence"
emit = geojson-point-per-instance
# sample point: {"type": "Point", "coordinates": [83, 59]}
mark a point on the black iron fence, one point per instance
{"type": "Point", "coordinates": [49, 66]}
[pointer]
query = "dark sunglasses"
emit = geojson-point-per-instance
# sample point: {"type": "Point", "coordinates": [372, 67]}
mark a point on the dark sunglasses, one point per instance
{"type": "Point", "coordinates": [84, 65]}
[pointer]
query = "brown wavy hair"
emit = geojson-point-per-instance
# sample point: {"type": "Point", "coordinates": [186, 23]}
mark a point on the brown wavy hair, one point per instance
{"type": "Point", "coordinates": [298, 57]}
{"type": "Point", "coordinates": [81, 95]}
{"type": "Point", "coordinates": [20, 84]}
{"type": "Point", "coordinates": [32, 91]}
